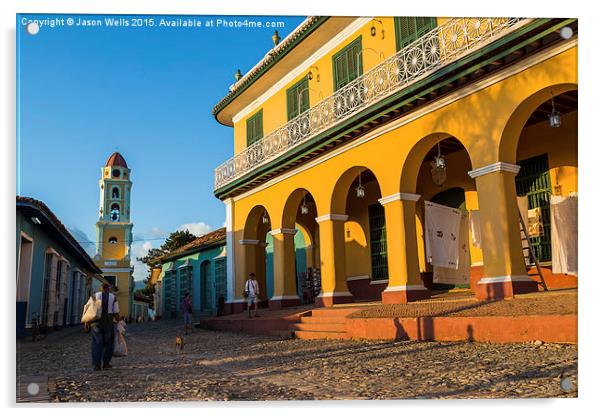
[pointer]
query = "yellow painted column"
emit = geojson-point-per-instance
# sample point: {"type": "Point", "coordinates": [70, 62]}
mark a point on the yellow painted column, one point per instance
{"type": "Point", "coordinates": [285, 274]}
{"type": "Point", "coordinates": [504, 271]}
{"type": "Point", "coordinates": [405, 284]}
{"type": "Point", "coordinates": [332, 260]}
{"type": "Point", "coordinates": [476, 254]}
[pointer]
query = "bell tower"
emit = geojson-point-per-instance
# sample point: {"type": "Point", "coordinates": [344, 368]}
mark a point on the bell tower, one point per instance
{"type": "Point", "coordinates": [114, 230]}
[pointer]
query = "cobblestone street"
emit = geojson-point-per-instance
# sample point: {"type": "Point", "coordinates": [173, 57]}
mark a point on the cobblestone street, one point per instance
{"type": "Point", "coordinates": [226, 366]}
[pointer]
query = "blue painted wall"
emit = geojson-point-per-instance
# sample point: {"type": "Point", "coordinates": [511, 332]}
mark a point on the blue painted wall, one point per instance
{"type": "Point", "coordinates": [196, 260]}
{"type": "Point", "coordinates": [41, 243]}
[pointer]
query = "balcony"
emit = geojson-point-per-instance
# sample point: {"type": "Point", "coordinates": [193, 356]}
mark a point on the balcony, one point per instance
{"type": "Point", "coordinates": [441, 46]}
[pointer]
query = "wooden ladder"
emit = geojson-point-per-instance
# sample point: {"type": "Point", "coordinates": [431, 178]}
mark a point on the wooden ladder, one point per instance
{"type": "Point", "coordinates": [530, 254]}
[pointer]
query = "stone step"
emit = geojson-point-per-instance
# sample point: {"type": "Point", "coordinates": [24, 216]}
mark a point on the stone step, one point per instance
{"type": "Point", "coordinates": [321, 335]}
{"type": "Point", "coordinates": [321, 327]}
{"type": "Point", "coordinates": [323, 319]}
{"type": "Point", "coordinates": [333, 311]}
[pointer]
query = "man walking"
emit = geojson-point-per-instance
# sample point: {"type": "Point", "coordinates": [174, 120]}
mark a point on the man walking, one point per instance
{"type": "Point", "coordinates": [252, 291]}
{"type": "Point", "coordinates": [187, 312]}
{"type": "Point", "coordinates": [103, 332]}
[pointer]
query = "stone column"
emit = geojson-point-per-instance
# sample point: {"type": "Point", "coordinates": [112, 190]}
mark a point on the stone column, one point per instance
{"type": "Point", "coordinates": [405, 284]}
{"type": "Point", "coordinates": [504, 270]}
{"type": "Point", "coordinates": [285, 274]}
{"type": "Point", "coordinates": [332, 260]}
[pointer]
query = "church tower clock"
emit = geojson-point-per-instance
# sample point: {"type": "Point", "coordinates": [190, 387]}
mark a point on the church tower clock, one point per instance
{"type": "Point", "coordinates": [114, 230]}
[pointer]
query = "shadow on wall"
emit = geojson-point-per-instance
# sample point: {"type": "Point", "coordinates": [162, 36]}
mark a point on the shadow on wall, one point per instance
{"type": "Point", "coordinates": [425, 325]}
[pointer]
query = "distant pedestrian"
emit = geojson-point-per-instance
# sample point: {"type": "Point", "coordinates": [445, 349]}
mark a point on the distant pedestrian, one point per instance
{"type": "Point", "coordinates": [187, 312]}
{"type": "Point", "coordinates": [103, 329]}
{"type": "Point", "coordinates": [252, 292]}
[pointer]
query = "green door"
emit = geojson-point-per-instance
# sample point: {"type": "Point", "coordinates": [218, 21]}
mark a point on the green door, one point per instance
{"type": "Point", "coordinates": [220, 284]}
{"type": "Point", "coordinates": [533, 180]}
{"type": "Point", "coordinates": [378, 242]}
{"type": "Point", "coordinates": [206, 289]}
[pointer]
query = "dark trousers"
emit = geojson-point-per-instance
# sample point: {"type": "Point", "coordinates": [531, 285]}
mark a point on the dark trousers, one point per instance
{"type": "Point", "coordinates": [102, 344]}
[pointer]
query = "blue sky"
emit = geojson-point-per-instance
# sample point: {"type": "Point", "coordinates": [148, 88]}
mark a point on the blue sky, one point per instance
{"type": "Point", "coordinates": [147, 92]}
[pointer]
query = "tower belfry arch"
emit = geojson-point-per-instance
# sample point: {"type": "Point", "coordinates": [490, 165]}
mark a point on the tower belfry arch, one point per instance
{"type": "Point", "coordinates": [114, 230]}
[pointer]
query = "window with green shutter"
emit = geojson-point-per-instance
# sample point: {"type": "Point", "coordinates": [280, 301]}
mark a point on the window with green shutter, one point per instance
{"type": "Point", "coordinates": [408, 29]}
{"type": "Point", "coordinates": [169, 285]}
{"type": "Point", "coordinates": [378, 242]}
{"type": "Point", "coordinates": [347, 64]}
{"type": "Point", "coordinates": [255, 127]}
{"type": "Point", "coordinates": [297, 99]}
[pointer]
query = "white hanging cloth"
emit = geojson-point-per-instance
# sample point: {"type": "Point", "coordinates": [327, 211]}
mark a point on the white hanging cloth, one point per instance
{"type": "Point", "coordinates": [475, 228]}
{"type": "Point", "coordinates": [563, 212]}
{"type": "Point", "coordinates": [461, 275]}
{"type": "Point", "coordinates": [442, 232]}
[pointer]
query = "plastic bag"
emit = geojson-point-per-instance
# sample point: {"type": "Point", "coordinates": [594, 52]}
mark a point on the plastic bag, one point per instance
{"type": "Point", "coordinates": [92, 310]}
{"type": "Point", "coordinates": [120, 348]}
{"type": "Point", "coordinates": [120, 327]}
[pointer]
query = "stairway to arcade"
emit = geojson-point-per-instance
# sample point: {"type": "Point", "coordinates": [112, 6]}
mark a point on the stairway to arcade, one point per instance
{"type": "Point", "coordinates": [323, 323]}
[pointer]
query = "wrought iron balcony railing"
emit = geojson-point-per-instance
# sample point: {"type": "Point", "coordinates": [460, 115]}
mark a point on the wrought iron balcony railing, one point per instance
{"type": "Point", "coordinates": [444, 44]}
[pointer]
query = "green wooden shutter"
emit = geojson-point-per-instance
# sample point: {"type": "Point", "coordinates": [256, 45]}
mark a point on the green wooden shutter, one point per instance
{"type": "Point", "coordinates": [533, 180]}
{"type": "Point", "coordinates": [220, 280]}
{"type": "Point", "coordinates": [206, 303]}
{"type": "Point", "coordinates": [378, 242]}
{"type": "Point", "coordinates": [169, 284]}
{"type": "Point", "coordinates": [185, 283]}
{"type": "Point", "coordinates": [408, 29]}
{"type": "Point", "coordinates": [295, 95]}
{"type": "Point", "coordinates": [345, 64]}
{"type": "Point", "coordinates": [255, 127]}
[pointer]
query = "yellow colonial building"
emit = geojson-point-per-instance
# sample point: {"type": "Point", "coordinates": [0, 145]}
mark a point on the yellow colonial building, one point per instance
{"type": "Point", "coordinates": [349, 125]}
{"type": "Point", "coordinates": [114, 230]}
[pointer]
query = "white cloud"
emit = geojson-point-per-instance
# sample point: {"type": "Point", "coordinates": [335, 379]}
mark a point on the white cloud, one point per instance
{"type": "Point", "coordinates": [140, 249]}
{"type": "Point", "coordinates": [84, 241]}
{"type": "Point", "coordinates": [196, 228]}
{"type": "Point", "coordinates": [157, 232]}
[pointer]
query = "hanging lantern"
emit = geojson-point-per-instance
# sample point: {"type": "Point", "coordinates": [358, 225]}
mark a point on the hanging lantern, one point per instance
{"type": "Point", "coordinates": [265, 219]}
{"type": "Point", "coordinates": [554, 117]}
{"type": "Point", "coordinates": [360, 192]}
{"type": "Point", "coordinates": [304, 208]}
{"type": "Point", "coordinates": [438, 168]}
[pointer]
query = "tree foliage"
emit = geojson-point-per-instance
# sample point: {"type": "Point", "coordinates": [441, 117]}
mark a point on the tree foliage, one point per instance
{"type": "Point", "coordinates": [175, 240]}
{"type": "Point", "coordinates": [178, 239]}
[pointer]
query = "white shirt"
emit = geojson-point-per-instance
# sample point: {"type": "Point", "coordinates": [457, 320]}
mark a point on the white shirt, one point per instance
{"type": "Point", "coordinates": [252, 287]}
{"type": "Point", "coordinates": [113, 306]}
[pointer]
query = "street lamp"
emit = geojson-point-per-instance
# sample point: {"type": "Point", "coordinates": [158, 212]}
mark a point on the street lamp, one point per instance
{"type": "Point", "coordinates": [360, 191]}
{"type": "Point", "coordinates": [265, 219]}
{"type": "Point", "coordinates": [438, 168]}
{"type": "Point", "coordinates": [304, 208]}
{"type": "Point", "coordinates": [554, 117]}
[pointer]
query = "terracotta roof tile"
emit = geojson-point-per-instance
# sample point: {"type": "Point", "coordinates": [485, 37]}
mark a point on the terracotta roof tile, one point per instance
{"type": "Point", "coordinates": [203, 241]}
{"type": "Point", "coordinates": [116, 160]}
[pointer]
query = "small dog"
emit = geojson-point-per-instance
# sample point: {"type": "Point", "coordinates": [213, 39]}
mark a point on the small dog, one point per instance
{"type": "Point", "coordinates": [179, 343]}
